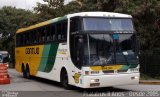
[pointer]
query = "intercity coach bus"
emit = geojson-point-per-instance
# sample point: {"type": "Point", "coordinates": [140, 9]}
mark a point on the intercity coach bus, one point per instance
{"type": "Point", "coordinates": [86, 49]}
{"type": "Point", "coordinates": [4, 58]}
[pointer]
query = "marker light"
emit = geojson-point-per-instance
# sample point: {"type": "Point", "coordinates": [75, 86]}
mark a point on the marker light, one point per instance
{"type": "Point", "coordinates": [134, 77]}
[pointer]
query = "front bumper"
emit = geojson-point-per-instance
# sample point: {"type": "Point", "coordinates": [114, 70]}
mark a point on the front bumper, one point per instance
{"type": "Point", "coordinates": [110, 80]}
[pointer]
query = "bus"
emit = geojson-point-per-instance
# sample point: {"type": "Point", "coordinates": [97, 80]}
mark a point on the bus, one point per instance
{"type": "Point", "coordinates": [4, 58]}
{"type": "Point", "coordinates": [86, 50]}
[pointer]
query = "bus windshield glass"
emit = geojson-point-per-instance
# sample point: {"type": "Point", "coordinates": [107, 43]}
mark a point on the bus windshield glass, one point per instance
{"type": "Point", "coordinates": [126, 51]}
{"type": "Point", "coordinates": [107, 24]}
{"type": "Point", "coordinates": [105, 49]}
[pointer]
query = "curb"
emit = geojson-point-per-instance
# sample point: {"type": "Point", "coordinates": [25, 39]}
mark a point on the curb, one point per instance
{"type": "Point", "coordinates": [149, 82]}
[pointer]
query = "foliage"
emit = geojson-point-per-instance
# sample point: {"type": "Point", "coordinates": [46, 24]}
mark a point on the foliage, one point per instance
{"type": "Point", "coordinates": [10, 20]}
{"type": "Point", "coordinates": [51, 9]}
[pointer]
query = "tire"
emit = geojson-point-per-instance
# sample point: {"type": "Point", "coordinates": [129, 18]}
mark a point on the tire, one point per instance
{"type": "Point", "coordinates": [64, 80]}
{"type": "Point", "coordinates": [24, 72]}
{"type": "Point", "coordinates": [28, 73]}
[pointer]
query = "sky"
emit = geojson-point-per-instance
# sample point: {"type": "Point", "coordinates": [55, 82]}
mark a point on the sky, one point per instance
{"type": "Point", "coordinates": [24, 4]}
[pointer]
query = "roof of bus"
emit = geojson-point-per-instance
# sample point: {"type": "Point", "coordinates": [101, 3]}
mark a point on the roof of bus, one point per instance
{"type": "Point", "coordinates": [89, 14]}
{"type": "Point", "coordinates": [100, 14]}
{"type": "Point", "coordinates": [3, 52]}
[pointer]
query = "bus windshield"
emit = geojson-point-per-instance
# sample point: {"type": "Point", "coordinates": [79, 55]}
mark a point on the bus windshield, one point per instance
{"type": "Point", "coordinates": [106, 49]}
{"type": "Point", "coordinates": [106, 24]}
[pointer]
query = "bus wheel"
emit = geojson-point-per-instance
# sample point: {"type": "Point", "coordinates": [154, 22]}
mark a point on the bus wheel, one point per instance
{"type": "Point", "coordinates": [24, 72]}
{"type": "Point", "coordinates": [27, 73]}
{"type": "Point", "coordinates": [64, 80]}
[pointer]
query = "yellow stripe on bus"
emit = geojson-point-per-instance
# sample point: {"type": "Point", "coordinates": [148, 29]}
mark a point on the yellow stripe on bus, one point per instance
{"type": "Point", "coordinates": [114, 67]}
{"type": "Point", "coordinates": [32, 27]}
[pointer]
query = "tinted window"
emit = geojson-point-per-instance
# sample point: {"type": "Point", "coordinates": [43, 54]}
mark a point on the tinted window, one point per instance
{"type": "Point", "coordinates": [56, 32]}
{"type": "Point", "coordinates": [61, 31]}
{"type": "Point", "coordinates": [74, 24]}
{"type": "Point", "coordinates": [53, 32]}
{"type": "Point", "coordinates": [102, 24]}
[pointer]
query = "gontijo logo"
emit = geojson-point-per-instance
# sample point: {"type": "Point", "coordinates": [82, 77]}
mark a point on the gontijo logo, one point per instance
{"type": "Point", "coordinates": [32, 50]}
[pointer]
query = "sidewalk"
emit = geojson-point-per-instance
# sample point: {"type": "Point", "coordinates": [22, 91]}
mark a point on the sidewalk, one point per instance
{"type": "Point", "coordinates": [151, 82]}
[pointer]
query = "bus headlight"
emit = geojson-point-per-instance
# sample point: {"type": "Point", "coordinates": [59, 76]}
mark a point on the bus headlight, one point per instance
{"type": "Point", "coordinates": [94, 80]}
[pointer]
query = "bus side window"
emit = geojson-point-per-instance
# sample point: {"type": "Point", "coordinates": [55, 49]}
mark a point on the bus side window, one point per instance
{"type": "Point", "coordinates": [74, 24]}
{"type": "Point", "coordinates": [58, 31]}
{"type": "Point", "coordinates": [62, 31]}
{"type": "Point", "coordinates": [24, 39]}
{"type": "Point", "coordinates": [34, 36]}
{"type": "Point", "coordinates": [48, 33]}
{"type": "Point", "coordinates": [37, 36]}
{"type": "Point", "coordinates": [53, 32]}
{"type": "Point", "coordinates": [27, 38]}
{"type": "Point", "coordinates": [21, 39]}
{"type": "Point", "coordinates": [18, 37]}
{"type": "Point", "coordinates": [44, 32]}
{"type": "Point", "coordinates": [31, 33]}
{"type": "Point", "coordinates": [30, 37]}
{"type": "Point", "coordinates": [42, 35]}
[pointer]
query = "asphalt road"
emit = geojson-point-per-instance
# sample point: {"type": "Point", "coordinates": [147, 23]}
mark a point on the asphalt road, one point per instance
{"type": "Point", "coordinates": [37, 87]}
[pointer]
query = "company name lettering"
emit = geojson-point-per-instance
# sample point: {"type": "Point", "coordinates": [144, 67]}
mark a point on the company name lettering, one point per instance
{"type": "Point", "coordinates": [32, 50]}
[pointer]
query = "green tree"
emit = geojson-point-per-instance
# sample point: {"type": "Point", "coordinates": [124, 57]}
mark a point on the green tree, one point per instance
{"type": "Point", "coordinates": [49, 10]}
{"type": "Point", "coordinates": [10, 20]}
